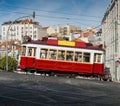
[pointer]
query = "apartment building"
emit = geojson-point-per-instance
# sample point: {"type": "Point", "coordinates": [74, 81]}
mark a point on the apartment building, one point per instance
{"type": "Point", "coordinates": [66, 30]}
{"type": "Point", "coordinates": [18, 29]}
{"type": "Point", "coordinates": [111, 37]}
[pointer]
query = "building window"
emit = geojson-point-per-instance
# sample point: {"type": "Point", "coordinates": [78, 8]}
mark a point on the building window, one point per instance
{"type": "Point", "coordinates": [3, 28]}
{"type": "Point", "coordinates": [34, 36]}
{"type": "Point", "coordinates": [17, 28]}
{"type": "Point", "coordinates": [35, 32]}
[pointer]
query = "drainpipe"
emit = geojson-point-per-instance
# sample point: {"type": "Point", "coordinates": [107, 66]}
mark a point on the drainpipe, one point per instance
{"type": "Point", "coordinates": [116, 48]}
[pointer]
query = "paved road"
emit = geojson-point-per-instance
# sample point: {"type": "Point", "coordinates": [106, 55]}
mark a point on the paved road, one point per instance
{"type": "Point", "coordinates": [31, 90]}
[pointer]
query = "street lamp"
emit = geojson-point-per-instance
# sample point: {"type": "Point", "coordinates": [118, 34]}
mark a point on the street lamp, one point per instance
{"type": "Point", "coordinates": [33, 16]}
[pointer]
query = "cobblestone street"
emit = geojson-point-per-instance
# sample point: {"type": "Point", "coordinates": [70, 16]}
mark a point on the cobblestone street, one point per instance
{"type": "Point", "coordinates": [32, 90]}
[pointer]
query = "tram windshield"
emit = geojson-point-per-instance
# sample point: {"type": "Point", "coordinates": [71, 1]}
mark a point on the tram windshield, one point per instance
{"type": "Point", "coordinates": [97, 57]}
{"type": "Point", "coordinates": [23, 50]}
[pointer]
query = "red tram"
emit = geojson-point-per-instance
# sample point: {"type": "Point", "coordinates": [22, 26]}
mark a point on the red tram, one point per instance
{"type": "Point", "coordinates": [62, 56]}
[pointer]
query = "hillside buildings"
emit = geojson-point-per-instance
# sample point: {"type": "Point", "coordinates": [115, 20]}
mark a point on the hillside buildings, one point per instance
{"type": "Point", "coordinates": [18, 29]}
{"type": "Point", "coordinates": [111, 37]}
{"type": "Point", "coordinates": [74, 33]}
{"type": "Point", "coordinates": [16, 32]}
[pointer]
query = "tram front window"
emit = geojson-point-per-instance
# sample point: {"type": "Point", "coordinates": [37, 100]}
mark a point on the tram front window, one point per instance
{"type": "Point", "coordinates": [97, 58]}
{"type": "Point", "coordinates": [23, 50]}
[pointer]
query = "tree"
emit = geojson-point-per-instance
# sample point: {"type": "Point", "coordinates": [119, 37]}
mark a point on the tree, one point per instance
{"type": "Point", "coordinates": [12, 63]}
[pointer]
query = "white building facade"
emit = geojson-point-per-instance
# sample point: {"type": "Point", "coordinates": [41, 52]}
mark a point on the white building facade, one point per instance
{"type": "Point", "coordinates": [22, 28]}
{"type": "Point", "coordinates": [111, 37]}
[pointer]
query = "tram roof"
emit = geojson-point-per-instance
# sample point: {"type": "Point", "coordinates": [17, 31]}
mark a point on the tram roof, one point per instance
{"type": "Point", "coordinates": [64, 43]}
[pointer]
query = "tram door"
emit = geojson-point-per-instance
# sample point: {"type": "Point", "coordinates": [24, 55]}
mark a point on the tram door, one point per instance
{"type": "Point", "coordinates": [98, 66]}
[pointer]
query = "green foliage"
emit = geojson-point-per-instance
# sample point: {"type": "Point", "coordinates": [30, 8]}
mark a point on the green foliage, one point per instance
{"type": "Point", "coordinates": [12, 63]}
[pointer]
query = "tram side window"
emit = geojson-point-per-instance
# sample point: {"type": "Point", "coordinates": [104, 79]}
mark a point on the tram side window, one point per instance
{"type": "Point", "coordinates": [86, 57]}
{"type": "Point", "coordinates": [23, 50]}
{"type": "Point", "coordinates": [34, 51]}
{"type": "Point", "coordinates": [43, 53]}
{"type": "Point", "coordinates": [61, 55]}
{"type": "Point", "coordinates": [78, 56]}
{"type": "Point", "coordinates": [69, 55]}
{"type": "Point", "coordinates": [31, 51]}
{"type": "Point", "coordinates": [52, 54]}
{"type": "Point", "coordinates": [97, 58]}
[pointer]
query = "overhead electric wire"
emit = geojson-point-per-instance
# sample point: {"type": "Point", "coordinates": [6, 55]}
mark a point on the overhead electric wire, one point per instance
{"type": "Point", "coordinates": [54, 17]}
{"type": "Point", "coordinates": [49, 16]}
{"type": "Point", "coordinates": [64, 13]}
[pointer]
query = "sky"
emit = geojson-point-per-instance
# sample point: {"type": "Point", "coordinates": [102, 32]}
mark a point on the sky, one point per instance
{"type": "Point", "coordinates": [82, 13]}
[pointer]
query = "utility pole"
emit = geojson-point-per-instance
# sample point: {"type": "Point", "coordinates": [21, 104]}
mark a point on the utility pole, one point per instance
{"type": "Point", "coordinates": [116, 47]}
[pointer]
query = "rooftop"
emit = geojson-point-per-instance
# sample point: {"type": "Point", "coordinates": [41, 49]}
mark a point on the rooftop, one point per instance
{"type": "Point", "coordinates": [25, 21]}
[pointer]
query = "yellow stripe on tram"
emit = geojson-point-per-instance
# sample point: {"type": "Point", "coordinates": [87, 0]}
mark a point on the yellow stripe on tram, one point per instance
{"type": "Point", "coordinates": [66, 43]}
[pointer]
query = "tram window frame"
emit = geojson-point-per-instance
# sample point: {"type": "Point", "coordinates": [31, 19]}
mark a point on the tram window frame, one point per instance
{"type": "Point", "coordinates": [44, 54]}
{"type": "Point", "coordinates": [52, 54]}
{"type": "Point", "coordinates": [97, 57]}
{"type": "Point", "coordinates": [69, 55]}
{"type": "Point", "coordinates": [78, 56]}
{"type": "Point", "coordinates": [61, 56]}
{"type": "Point", "coordinates": [85, 57]}
{"type": "Point", "coordinates": [32, 51]}
{"type": "Point", "coordinates": [29, 51]}
{"type": "Point", "coordinates": [23, 50]}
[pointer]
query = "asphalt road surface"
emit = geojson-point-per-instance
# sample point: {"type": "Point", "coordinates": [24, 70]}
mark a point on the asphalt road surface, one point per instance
{"type": "Point", "coordinates": [32, 90]}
